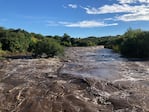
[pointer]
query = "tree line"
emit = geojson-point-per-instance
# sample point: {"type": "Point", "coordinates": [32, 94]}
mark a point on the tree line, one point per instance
{"type": "Point", "coordinates": [133, 43]}
{"type": "Point", "coordinates": [15, 41]}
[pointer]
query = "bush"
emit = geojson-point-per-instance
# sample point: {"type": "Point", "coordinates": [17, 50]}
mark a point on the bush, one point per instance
{"type": "Point", "coordinates": [137, 47]}
{"type": "Point", "coordinates": [85, 43]}
{"type": "Point", "coordinates": [47, 47]}
{"type": "Point", "coordinates": [133, 44]}
{"type": "Point", "coordinates": [32, 44]}
{"type": "Point", "coordinates": [15, 41]}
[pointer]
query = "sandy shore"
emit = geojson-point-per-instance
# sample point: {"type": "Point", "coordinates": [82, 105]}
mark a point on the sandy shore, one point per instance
{"type": "Point", "coordinates": [38, 85]}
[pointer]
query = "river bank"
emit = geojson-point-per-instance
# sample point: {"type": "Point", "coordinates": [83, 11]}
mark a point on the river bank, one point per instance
{"type": "Point", "coordinates": [44, 85]}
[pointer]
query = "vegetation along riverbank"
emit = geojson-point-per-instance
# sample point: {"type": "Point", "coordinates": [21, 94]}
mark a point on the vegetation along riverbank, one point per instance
{"type": "Point", "coordinates": [45, 73]}
{"type": "Point", "coordinates": [133, 43]}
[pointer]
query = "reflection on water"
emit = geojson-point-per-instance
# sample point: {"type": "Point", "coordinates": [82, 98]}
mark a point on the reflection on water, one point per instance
{"type": "Point", "coordinates": [107, 65]}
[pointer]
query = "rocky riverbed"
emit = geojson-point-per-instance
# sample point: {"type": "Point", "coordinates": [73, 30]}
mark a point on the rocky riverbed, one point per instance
{"type": "Point", "coordinates": [53, 85]}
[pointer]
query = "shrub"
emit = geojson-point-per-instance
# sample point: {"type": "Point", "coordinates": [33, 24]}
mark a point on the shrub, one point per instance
{"type": "Point", "coordinates": [32, 44]}
{"type": "Point", "coordinates": [15, 41]}
{"type": "Point", "coordinates": [137, 47]}
{"type": "Point", "coordinates": [49, 47]}
{"type": "Point", "coordinates": [85, 43]}
{"type": "Point", "coordinates": [133, 44]}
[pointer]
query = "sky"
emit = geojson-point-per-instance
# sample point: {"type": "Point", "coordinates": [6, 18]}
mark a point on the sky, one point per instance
{"type": "Point", "coordinates": [78, 18]}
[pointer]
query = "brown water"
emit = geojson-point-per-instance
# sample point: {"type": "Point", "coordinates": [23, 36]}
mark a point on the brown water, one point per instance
{"type": "Point", "coordinates": [45, 85]}
{"type": "Point", "coordinates": [131, 77]}
{"type": "Point", "coordinates": [105, 64]}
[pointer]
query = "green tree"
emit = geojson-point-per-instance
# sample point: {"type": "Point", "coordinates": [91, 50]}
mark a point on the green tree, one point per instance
{"type": "Point", "coordinates": [49, 47]}
{"type": "Point", "coordinates": [137, 46]}
{"type": "Point", "coordinates": [66, 40]}
{"type": "Point", "coordinates": [15, 42]}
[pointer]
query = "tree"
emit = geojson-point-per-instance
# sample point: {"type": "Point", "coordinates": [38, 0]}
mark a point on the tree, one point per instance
{"type": "Point", "coordinates": [66, 40]}
{"type": "Point", "coordinates": [48, 47]}
{"type": "Point", "coordinates": [15, 41]}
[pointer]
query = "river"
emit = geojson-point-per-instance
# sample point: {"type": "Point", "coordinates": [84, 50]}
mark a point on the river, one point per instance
{"type": "Point", "coordinates": [105, 64]}
{"type": "Point", "coordinates": [89, 79]}
{"type": "Point", "coordinates": [131, 76]}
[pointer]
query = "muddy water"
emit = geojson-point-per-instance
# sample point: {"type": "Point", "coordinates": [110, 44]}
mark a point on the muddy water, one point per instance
{"type": "Point", "coordinates": [131, 77]}
{"type": "Point", "coordinates": [93, 79]}
{"type": "Point", "coordinates": [105, 64]}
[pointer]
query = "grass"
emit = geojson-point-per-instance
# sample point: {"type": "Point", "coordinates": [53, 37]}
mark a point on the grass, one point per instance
{"type": "Point", "coordinates": [3, 53]}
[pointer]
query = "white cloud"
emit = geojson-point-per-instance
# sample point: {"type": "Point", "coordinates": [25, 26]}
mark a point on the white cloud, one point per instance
{"type": "Point", "coordinates": [117, 8]}
{"type": "Point", "coordinates": [109, 19]}
{"type": "Point", "coordinates": [127, 1]}
{"type": "Point", "coordinates": [134, 17]}
{"type": "Point", "coordinates": [74, 6]}
{"type": "Point", "coordinates": [127, 12]}
{"type": "Point", "coordinates": [87, 24]}
{"type": "Point", "coordinates": [132, 1]}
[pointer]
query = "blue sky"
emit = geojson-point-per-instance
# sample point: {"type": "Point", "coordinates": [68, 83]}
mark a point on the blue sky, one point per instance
{"type": "Point", "coordinates": [78, 18]}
